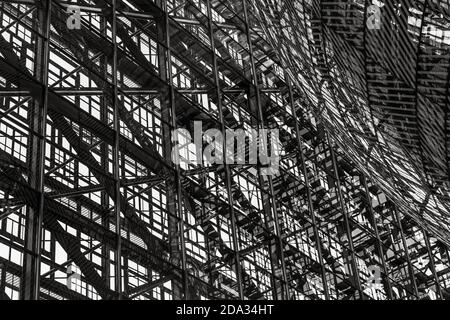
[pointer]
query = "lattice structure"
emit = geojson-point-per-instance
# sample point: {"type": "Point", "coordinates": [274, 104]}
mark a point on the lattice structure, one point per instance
{"type": "Point", "coordinates": [86, 139]}
{"type": "Point", "coordinates": [382, 91]}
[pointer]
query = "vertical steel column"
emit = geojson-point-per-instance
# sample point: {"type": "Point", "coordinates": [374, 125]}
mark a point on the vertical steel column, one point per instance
{"type": "Point", "coordinates": [33, 230]}
{"type": "Point", "coordinates": [2, 279]}
{"type": "Point", "coordinates": [208, 252]}
{"type": "Point", "coordinates": [308, 190]}
{"type": "Point", "coordinates": [433, 267]}
{"type": "Point", "coordinates": [346, 218]}
{"type": "Point", "coordinates": [377, 236]}
{"type": "Point", "coordinates": [284, 285]}
{"type": "Point", "coordinates": [405, 246]}
{"type": "Point", "coordinates": [104, 151]}
{"type": "Point", "coordinates": [116, 156]}
{"type": "Point", "coordinates": [167, 75]}
{"type": "Point", "coordinates": [228, 177]}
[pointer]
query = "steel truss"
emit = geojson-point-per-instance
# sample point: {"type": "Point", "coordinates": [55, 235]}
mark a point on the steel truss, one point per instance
{"type": "Point", "coordinates": [86, 174]}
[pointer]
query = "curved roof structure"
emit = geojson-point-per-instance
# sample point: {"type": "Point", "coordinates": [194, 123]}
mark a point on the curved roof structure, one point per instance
{"type": "Point", "coordinates": [377, 77]}
{"type": "Point", "coordinates": [93, 94]}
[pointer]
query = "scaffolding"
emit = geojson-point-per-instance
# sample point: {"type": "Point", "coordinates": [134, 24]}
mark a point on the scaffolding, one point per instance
{"type": "Point", "coordinates": [92, 205]}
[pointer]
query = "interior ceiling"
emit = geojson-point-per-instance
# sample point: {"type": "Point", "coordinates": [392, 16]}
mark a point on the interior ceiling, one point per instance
{"type": "Point", "coordinates": [382, 93]}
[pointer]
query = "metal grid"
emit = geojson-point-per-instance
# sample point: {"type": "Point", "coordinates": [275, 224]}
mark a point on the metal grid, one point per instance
{"type": "Point", "coordinates": [86, 174]}
{"type": "Point", "coordinates": [381, 92]}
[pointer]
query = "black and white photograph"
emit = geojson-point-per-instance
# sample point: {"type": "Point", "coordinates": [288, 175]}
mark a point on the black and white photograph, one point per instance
{"type": "Point", "coordinates": [243, 152]}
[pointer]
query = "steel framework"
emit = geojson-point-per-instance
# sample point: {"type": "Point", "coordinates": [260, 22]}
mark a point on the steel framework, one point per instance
{"type": "Point", "coordinates": [92, 206]}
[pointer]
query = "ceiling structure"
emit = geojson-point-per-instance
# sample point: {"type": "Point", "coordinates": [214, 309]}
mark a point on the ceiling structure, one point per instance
{"type": "Point", "coordinates": [87, 118]}
{"type": "Point", "coordinates": [382, 92]}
